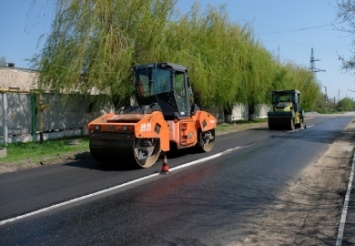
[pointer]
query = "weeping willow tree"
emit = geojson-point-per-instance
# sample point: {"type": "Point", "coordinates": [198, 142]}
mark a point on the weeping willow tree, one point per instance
{"type": "Point", "coordinates": [346, 23]}
{"type": "Point", "coordinates": [191, 41]}
{"type": "Point", "coordinates": [93, 44]}
{"type": "Point", "coordinates": [304, 80]}
{"type": "Point", "coordinates": [213, 57]}
{"type": "Point", "coordinates": [227, 65]}
{"type": "Point", "coordinates": [211, 46]}
{"type": "Point", "coordinates": [258, 70]}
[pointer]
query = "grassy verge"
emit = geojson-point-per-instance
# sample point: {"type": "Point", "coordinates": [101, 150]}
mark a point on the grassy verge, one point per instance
{"type": "Point", "coordinates": [50, 150]}
{"type": "Point", "coordinates": [239, 125]}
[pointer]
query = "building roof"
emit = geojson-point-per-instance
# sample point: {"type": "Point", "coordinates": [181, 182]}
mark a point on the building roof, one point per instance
{"type": "Point", "coordinates": [21, 78]}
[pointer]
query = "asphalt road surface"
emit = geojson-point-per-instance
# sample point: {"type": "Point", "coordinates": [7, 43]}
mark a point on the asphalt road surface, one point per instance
{"type": "Point", "coordinates": [201, 202]}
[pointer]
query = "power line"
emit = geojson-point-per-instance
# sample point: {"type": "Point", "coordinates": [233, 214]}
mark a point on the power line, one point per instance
{"type": "Point", "coordinates": [298, 30]}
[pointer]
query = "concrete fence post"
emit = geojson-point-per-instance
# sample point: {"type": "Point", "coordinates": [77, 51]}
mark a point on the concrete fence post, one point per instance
{"type": "Point", "coordinates": [5, 117]}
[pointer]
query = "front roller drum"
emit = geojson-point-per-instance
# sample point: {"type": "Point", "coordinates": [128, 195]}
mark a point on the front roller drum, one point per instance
{"type": "Point", "coordinates": [281, 123]}
{"type": "Point", "coordinates": [119, 148]}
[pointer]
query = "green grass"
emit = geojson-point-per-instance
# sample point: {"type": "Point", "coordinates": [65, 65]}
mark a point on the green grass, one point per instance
{"type": "Point", "coordinates": [35, 151]}
{"type": "Point", "coordinates": [239, 125]}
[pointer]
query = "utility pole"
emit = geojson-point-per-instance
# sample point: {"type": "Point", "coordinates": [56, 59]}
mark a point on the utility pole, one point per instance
{"type": "Point", "coordinates": [326, 98]}
{"type": "Point", "coordinates": [312, 64]}
{"type": "Point", "coordinates": [312, 67]}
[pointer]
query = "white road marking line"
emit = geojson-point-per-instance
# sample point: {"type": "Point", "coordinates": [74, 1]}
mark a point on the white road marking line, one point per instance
{"type": "Point", "coordinates": [3, 222]}
{"type": "Point", "coordinates": [345, 207]}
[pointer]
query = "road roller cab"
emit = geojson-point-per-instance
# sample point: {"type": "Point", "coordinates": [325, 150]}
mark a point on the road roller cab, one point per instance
{"type": "Point", "coordinates": [164, 116]}
{"type": "Point", "coordinates": [286, 110]}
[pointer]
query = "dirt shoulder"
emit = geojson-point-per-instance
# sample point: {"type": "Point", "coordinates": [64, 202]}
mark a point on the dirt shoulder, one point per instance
{"type": "Point", "coordinates": [309, 210]}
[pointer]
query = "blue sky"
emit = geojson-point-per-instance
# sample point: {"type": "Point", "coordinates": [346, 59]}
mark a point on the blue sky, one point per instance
{"type": "Point", "coordinates": [289, 29]}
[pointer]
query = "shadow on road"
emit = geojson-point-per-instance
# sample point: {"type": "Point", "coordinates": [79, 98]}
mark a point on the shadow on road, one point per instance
{"type": "Point", "coordinates": [85, 160]}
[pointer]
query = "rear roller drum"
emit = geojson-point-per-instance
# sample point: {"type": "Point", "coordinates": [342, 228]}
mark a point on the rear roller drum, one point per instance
{"type": "Point", "coordinates": [146, 151]}
{"type": "Point", "coordinates": [111, 149]}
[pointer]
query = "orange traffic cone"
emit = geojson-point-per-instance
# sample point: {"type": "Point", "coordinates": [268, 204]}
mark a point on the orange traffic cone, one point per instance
{"type": "Point", "coordinates": [165, 167]}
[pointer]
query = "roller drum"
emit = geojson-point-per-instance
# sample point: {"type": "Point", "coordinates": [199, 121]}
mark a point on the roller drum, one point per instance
{"type": "Point", "coordinates": [112, 148]}
{"type": "Point", "coordinates": [281, 121]}
{"type": "Point", "coordinates": [124, 149]}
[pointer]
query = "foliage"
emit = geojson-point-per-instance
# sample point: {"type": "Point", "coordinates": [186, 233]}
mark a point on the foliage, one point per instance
{"type": "Point", "coordinates": [2, 146]}
{"type": "Point", "coordinates": [93, 44]}
{"type": "Point", "coordinates": [345, 17]}
{"type": "Point", "coordinates": [304, 80]}
{"type": "Point", "coordinates": [346, 104]}
{"type": "Point", "coordinates": [257, 78]}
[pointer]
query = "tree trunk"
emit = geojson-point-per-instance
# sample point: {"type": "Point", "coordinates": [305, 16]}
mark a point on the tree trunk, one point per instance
{"type": "Point", "coordinates": [251, 112]}
{"type": "Point", "coordinates": [227, 110]}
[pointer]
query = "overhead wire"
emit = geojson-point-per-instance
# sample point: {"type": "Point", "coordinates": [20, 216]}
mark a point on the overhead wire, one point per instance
{"type": "Point", "coordinates": [299, 29]}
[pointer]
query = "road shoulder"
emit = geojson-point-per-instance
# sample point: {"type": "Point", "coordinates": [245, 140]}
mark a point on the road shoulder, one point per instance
{"type": "Point", "coordinates": [308, 211]}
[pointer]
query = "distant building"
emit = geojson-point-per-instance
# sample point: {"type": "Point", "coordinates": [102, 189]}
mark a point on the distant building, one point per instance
{"type": "Point", "coordinates": [12, 77]}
